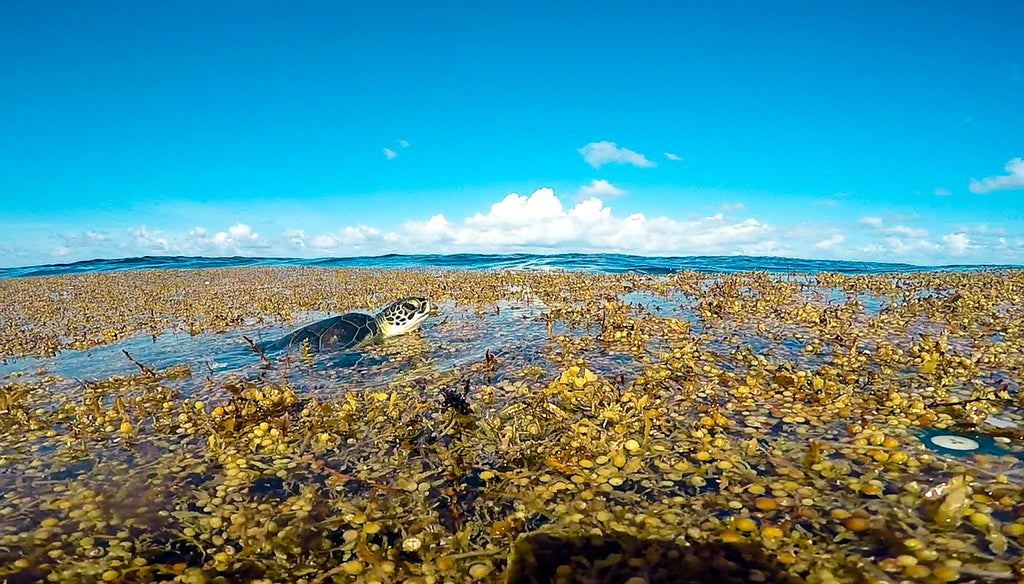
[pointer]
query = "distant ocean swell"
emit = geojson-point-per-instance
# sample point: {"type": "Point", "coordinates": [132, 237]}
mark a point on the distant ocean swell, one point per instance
{"type": "Point", "coordinates": [599, 263]}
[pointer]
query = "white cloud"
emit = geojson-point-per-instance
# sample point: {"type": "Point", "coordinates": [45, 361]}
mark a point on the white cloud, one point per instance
{"type": "Point", "coordinates": [403, 143]}
{"type": "Point", "coordinates": [321, 242]}
{"type": "Point", "coordinates": [915, 247]}
{"type": "Point", "coordinates": [88, 238]}
{"type": "Point", "coordinates": [1014, 180]}
{"type": "Point", "coordinates": [981, 229]}
{"type": "Point", "coordinates": [673, 157]}
{"type": "Point", "coordinates": [540, 221]}
{"type": "Point", "coordinates": [296, 237]}
{"type": "Point", "coordinates": [241, 232]}
{"type": "Point", "coordinates": [732, 207]}
{"type": "Point", "coordinates": [941, 192]}
{"type": "Point", "coordinates": [195, 242]}
{"type": "Point", "coordinates": [877, 224]}
{"type": "Point", "coordinates": [348, 238]}
{"type": "Point", "coordinates": [434, 231]}
{"type": "Point", "coordinates": [324, 242]}
{"type": "Point", "coordinates": [886, 246]}
{"type": "Point", "coordinates": [389, 153]}
{"type": "Point", "coordinates": [597, 153]}
{"type": "Point", "coordinates": [236, 237]}
{"type": "Point", "coordinates": [894, 216]}
{"type": "Point", "coordinates": [147, 240]}
{"type": "Point", "coordinates": [904, 231]}
{"type": "Point", "coordinates": [516, 210]}
{"type": "Point", "coordinates": [598, 188]}
{"type": "Point", "coordinates": [957, 243]}
{"type": "Point", "coordinates": [830, 243]}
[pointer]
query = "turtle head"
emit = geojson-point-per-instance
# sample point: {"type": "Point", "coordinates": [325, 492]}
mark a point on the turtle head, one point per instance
{"type": "Point", "coordinates": [402, 316]}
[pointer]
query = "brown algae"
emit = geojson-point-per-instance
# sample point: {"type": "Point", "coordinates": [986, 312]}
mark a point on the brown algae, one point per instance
{"type": "Point", "coordinates": [542, 427]}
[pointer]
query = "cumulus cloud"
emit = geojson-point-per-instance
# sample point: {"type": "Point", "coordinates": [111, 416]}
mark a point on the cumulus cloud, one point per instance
{"type": "Point", "coordinates": [515, 210]}
{"type": "Point", "coordinates": [348, 238]}
{"type": "Point", "coordinates": [914, 247]}
{"type": "Point", "coordinates": [1011, 181]}
{"type": "Point", "coordinates": [540, 221]}
{"type": "Point", "coordinates": [235, 239]}
{"type": "Point", "coordinates": [981, 229]}
{"type": "Point", "coordinates": [898, 231]}
{"type": "Point", "coordinates": [403, 143]}
{"type": "Point", "coordinates": [242, 232]}
{"type": "Point", "coordinates": [237, 234]}
{"type": "Point", "coordinates": [904, 231]}
{"type": "Point", "coordinates": [88, 238]}
{"type": "Point", "coordinates": [149, 241]}
{"type": "Point", "coordinates": [389, 153]}
{"type": "Point", "coordinates": [325, 242]}
{"type": "Point", "coordinates": [878, 225]}
{"type": "Point", "coordinates": [295, 237]}
{"type": "Point", "coordinates": [673, 157]}
{"type": "Point", "coordinates": [597, 153]}
{"type": "Point", "coordinates": [598, 188]}
{"type": "Point", "coordinates": [830, 243]}
{"type": "Point", "coordinates": [957, 243]}
{"type": "Point", "coordinates": [434, 231]}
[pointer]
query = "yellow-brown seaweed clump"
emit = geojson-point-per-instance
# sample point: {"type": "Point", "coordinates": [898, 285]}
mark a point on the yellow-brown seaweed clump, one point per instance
{"type": "Point", "coordinates": [556, 427]}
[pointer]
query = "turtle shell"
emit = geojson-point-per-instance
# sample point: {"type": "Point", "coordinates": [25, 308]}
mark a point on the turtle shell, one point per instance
{"type": "Point", "coordinates": [348, 331]}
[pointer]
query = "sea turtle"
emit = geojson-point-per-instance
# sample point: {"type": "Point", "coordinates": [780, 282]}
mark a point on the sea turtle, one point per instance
{"type": "Point", "coordinates": [357, 329]}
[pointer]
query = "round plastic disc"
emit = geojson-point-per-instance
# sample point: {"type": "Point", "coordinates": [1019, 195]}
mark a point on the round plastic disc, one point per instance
{"type": "Point", "coordinates": [954, 442]}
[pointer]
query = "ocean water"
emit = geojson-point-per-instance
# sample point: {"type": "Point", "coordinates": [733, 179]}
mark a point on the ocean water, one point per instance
{"type": "Point", "coordinates": [598, 263]}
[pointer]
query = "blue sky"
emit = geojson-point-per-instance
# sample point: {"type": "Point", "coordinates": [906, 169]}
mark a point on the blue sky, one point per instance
{"type": "Point", "coordinates": [807, 129]}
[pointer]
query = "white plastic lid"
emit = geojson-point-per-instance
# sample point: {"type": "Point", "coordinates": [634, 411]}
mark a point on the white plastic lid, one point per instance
{"type": "Point", "coordinates": [954, 442]}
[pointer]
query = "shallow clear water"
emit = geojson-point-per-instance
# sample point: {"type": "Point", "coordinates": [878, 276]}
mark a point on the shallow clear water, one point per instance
{"type": "Point", "coordinates": [457, 337]}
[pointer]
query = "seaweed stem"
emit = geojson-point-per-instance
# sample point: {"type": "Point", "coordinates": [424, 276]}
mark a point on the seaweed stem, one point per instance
{"type": "Point", "coordinates": [257, 349]}
{"type": "Point", "coordinates": [145, 369]}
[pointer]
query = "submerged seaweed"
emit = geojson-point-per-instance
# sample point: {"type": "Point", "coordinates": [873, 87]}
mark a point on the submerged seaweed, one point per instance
{"type": "Point", "coordinates": [552, 427]}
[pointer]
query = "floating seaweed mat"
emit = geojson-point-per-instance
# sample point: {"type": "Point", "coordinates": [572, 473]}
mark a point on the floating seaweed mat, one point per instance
{"type": "Point", "coordinates": [568, 559]}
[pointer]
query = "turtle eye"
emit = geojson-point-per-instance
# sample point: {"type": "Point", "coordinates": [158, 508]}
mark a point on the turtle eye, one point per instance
{"type": "Point", "coordinates": [411, 305]}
